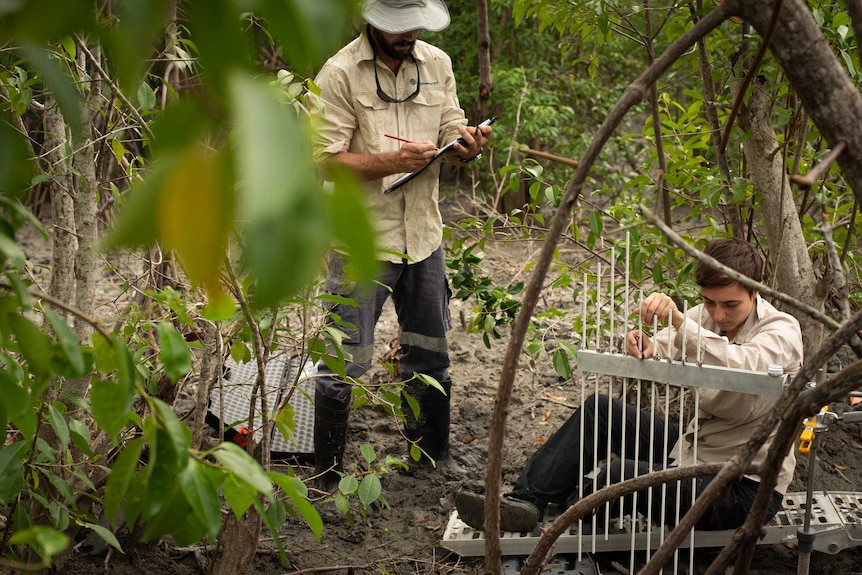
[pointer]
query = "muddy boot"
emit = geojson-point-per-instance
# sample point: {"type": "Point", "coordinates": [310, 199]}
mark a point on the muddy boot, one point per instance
{"type": "Point", "coordinates": [330, 436]}
{"type": "Point", "coordinates": [431, 429]}
{"type": "Point", "coordinates": [515, 514]}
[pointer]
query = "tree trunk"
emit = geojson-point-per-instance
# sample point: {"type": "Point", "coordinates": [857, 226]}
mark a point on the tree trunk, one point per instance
{"type": "Point", "coordinates": [239, 540]}
{"type": "Point", "coordinates": [64, 240]}
{"type": "Point", "coordinates": [794, 272]}
{"type": "Point", "coordinates": [84, 162]}
{"type": "Point", "coordinates": [486, 84]}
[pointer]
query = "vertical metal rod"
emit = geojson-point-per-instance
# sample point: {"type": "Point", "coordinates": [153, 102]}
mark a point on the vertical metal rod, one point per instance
{"type": "Point", "coordinates": [595, 449]}
{"type": "Point", "coordinates": [641, 324]}
{"type": "Point", "coordinates": [608, 458]}
{"type": "Point", "coordinates": [598, 307]}
{"type": "Point", "coordinates": [654, 336]}
{"type": "Point", "coordinates": [669, 335]}
{"type": "Point", "coordinates": [649, 492]}
{"type": "Point", "coordinates": [679, 483]}
{"type": "Point", "coordinates": [664, 446]}
{"type": "Point", "coordinates": [628, 289]}
{"type": "Point", "coordinates": [635, 494]}
{"type": "Point", "coordinates": [699, 331]}
{"type": "Point", "coordinates": [584, 342]}
{"type": "Point", "coordinates": [612, 308]}
{"type": "Point", "coordinates": [684, 331]}
{"type": "Point", "coordinates": [581, 476]}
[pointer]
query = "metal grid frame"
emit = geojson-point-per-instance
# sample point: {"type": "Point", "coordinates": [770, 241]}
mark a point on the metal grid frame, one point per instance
{"type": "Point", "coordinates": [836, 517]}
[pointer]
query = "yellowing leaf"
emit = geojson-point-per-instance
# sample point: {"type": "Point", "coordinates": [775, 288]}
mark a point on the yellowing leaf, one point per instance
{"type": "Point", "coordinates": [194, 214]}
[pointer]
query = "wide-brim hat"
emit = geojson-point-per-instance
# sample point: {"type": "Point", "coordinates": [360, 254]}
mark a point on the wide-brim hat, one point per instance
{"type": "Point", "coordinates": [399, 16]}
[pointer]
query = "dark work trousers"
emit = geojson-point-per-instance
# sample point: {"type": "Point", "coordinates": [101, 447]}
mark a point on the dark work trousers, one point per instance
{"type": "Point", "coordinates": [420, 293]}
{"type": "Point", "coordinates": [553, 473]}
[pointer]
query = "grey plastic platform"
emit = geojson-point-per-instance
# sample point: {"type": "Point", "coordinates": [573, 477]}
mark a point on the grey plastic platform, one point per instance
{"type": "Point", "coordinates": [281, 372]}
{"type": "Point", "coordinates": [836, 518]}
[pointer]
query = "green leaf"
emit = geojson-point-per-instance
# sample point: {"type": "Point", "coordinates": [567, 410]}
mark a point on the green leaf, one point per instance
{"type": "Point", "coordinates": [561, 364]}
{"type": "Point", "coordinates": [352, 225]}
{"type": "Point", "coordinates": [243, 467]}
{"type": "Point", "coordinates": [430, 382]}
{"type": "Point", "coordinates": [16, 169]}
{"type": "Point", "coordinates": [348, 484]}
{"type": "Point", "coordinates": [162, 471]}
{"type": "Point", "coordinates": [285, 223]}
{"type": "Point", "coordinates": [68, 342]}
{"type": "Point", "coordinates": [368, 453]}
{"type": "Point", "coordinates": [46, 541]}
{"type": "Point", "coordinates": [173, 351]}
{"type": "Point", "coordinates": [105, 534]}
{"type": "Point", "coordinates": [146, 97]}
{"type": "Point", "coordinates": [58, 424]}
{"type": "Point", "coordinates": [238, 496]}
{"type": "Point", "coordinates": [369, 489]}
{"type": "Point", "coordinates": [276, 515]}
{"type": "Point", "coordinates": [111, 402]}
{"type": "Point", "coordinates": [201, 496]}
{"type": "Point", "coordinates": [11, 471]}
{"type": "Point", "coordinates": [297, 25]}
{"type": "Point", "coordinates": [34, 345]}
{"type": "Point", "coordinates": [80, 434]}
{"type": "Point", "coordinates": [298, 494]}
{"type": "Point", "coordinates": [121, 477]}
{"type": "Point", "coordinates": [285, 421]}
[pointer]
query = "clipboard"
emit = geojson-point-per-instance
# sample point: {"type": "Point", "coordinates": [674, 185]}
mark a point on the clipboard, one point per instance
{"type": "Point", "coordinates": [439, 154]}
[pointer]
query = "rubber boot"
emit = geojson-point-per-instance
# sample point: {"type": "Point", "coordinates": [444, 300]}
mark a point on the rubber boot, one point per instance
{"type": "Point", "coordinates": [431, 429]}
{"type": "Point", "coordinates": [330, 436]}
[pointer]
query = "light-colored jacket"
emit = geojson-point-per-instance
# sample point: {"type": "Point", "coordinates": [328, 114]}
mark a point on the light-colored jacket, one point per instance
{"type": "Point", "coordinates": [728, 419]}
{"type": "Point", "coordinates": [355, 119]}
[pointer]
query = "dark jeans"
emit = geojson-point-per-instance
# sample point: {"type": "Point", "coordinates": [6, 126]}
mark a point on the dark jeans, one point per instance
{"type": "Point", "coordinates": [420, 293]}
{"type": "Point", "coordinates": [553, 473]}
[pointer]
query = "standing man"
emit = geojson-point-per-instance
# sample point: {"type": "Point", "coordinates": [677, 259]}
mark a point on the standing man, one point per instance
{"type": "Point", "coordinates": [739, 330]}
{"type": "Point", "coordinates": [387, 83]}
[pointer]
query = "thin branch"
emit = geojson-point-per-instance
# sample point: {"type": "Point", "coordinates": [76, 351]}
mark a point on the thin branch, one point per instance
{"type": "Point", "coordinates": [675, 239]}
{"type": "Point", "coordinates": [761, 52]}
{"type": "Point", "coordinates": [810, 178]}
{"type": "Point", "coordinates": [39, 294]}
{"type": "Point", "coordinates": [116, 89]}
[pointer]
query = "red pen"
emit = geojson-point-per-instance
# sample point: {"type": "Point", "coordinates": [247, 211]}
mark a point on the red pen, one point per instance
{"type": "Point", "coordinates": [400, 139]}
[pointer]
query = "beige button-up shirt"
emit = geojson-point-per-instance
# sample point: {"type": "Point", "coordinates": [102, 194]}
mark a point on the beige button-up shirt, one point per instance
{"type": "Point", "coordinates": [355, 119]}
{"type": "Point", "coordinates": [728, 419]}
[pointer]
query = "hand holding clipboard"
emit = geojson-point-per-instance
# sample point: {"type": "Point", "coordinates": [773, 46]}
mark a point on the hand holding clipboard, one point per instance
{"type": "Point", "coordinates": [440, 153]}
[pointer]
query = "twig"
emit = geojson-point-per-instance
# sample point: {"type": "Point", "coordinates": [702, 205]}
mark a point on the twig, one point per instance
{"type": "Point", "coordinates": [837, 269]}
{"type": "Point", "coordinates": [677, 240]}
{"type": "Point", "coordinates": [755, 64]}
{"type": "Point", "coordinates": [116, 89]}
{"type": "Point", "coordinates": [549, 156]}
{"type": "Point", "coordinates": [38, 294]}
{"type": "Point", "coordinates": [810, 178]}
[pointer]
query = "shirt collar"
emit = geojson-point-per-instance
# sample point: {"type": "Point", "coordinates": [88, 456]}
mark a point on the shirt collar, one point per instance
{"type": "Point", "coordinates": [748, 325]}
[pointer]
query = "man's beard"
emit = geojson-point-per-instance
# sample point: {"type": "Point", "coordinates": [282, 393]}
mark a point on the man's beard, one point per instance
{"type": "Point", "coordinates": [391, 49]}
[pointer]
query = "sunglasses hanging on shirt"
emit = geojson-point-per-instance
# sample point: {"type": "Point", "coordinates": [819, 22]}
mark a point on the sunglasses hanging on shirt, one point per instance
{"type": "Point", "coordinates": [386, 97]}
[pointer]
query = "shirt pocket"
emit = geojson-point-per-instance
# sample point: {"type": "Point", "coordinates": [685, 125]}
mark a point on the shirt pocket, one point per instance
{"type": "Point", "coordinates": [425, 115]}
{"type": "Point", "coordinates": [371, 114]}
